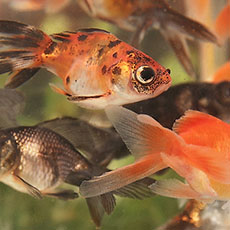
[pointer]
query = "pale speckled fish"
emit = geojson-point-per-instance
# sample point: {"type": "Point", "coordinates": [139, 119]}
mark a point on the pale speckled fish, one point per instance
{"type": "Point", "coordinates": [97, 68]}
{"type": "Point", "coordinates": [141, 15]}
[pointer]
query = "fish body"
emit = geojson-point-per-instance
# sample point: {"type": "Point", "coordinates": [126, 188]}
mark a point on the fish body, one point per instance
{"type": "Point", "coordinates": [26, 154]}
{"type": "Point", "coordinates": [139, 16]}
{"type": "Point", "coordinates": [98, 70]}
{"type": "Point", "coordinates": [36, 160]}
{"type": "Point", "coordinates": [50, 6]}
{"type": "Point", "coordinates": [198, 150]}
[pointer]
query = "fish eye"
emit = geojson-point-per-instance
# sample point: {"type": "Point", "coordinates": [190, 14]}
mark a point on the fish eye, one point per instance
{"type": "Point", "coordinates": [145, 74]}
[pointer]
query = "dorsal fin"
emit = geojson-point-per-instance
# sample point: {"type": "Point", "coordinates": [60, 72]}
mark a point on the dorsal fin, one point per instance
{"type": "Point", "coordinates": [194, 119]}
{"type": "Point", "coordinates": [80, 34]}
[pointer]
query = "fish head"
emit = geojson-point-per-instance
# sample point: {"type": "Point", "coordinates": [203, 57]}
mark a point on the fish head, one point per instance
{"type": "Point", "coordinates": [8, 153]}
{"type": "Point", "coordinates": [139, 77]}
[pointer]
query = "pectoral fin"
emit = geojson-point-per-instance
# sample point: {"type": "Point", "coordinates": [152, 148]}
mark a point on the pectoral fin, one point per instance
{"type": "Point", "coordinates": [63, 195]}
{"type": "Point", "coordinates": [30, 188]}
{"type": "Point", "coordinates": [59, 90]}
{"type": "Point", "coordinates": [174, 188]}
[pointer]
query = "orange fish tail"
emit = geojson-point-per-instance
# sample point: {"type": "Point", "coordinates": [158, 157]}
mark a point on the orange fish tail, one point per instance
{"type": "Point", "coordinates": [21, 51]}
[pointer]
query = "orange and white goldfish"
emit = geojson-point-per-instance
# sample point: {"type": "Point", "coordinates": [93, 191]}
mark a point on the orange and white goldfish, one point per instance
{"type": "Point", "coordinates": [141, 15]}
{"type": "Point", "coordinates": [198, 150]}
{"type": "Point", "coordinates": [222, 25]}
{"type": "Point", "coordinates": [50, 6]}
{"type": "Point", "coordinates": [97, 68]}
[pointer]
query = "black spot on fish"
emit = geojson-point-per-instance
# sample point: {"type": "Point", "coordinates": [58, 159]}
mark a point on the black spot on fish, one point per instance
{"type": "Point", "coordinates": [50, 48]}
{"type": "Point", "coordinates": [147, 59]}
{"type": "Point", "coordinates": [103, 70]}
{"type": "Point", "coordinates": [67, 80]}
{"type": "Point", "coordinates": [100, 52]}
{"type": "Point", "coordinates": [114, 43]}
{"type": "Point", "coordinates": [116, 70]}
{"type": "Point", "coordinates": [82, 37]}
{"type": "Point", "coordinates": [129, 51]}
{"type": "Point", "coordinates": [115, 55]}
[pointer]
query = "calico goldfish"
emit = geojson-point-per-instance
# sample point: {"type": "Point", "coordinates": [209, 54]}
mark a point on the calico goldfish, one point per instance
{"type": "Point", "coordinates": [97, 68]}
{"type": "Point", "coordinates": [198, 150]}
{"type": "Point", "coordinates": [139, 16]}
{"type": "Point", "coordinates": [37, 160]}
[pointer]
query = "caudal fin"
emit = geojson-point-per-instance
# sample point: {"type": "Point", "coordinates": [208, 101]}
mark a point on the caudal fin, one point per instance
{"type": "Point", "coordinates": [176, 27]}
{"type": "Point", "coordinates": [21, 47]}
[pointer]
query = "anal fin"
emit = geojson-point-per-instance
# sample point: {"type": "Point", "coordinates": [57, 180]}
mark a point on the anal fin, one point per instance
{"type": "Point", "coordinates": [30, 188]}
{"type": "Point", "coordinates": [174, 188]}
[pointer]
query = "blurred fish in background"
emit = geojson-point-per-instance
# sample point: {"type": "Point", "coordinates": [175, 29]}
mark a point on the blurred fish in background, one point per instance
{"type": "Point", "coordinates": [140, 16]}
{"type": "Point", "coordinates": [198, 216]}
{"type": "Point", "coordinates": [50, 6]}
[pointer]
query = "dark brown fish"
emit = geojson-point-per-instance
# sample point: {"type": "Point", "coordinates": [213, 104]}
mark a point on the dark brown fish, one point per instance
{"type": "Point", "coordinates": [36, 160]}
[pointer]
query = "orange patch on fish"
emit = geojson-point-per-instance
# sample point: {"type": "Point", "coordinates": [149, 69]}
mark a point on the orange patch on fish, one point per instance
{"type": "Point", "coordinates": [222, 74]}
{"type": "Point", "coordinates": [223, 23]}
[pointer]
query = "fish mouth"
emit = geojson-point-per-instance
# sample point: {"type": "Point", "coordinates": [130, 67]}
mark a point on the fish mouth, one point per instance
{"type": "Point", "coordinates": [161, 89]}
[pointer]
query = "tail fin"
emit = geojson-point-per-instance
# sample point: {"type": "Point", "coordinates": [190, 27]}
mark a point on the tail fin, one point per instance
{"type": "Point", "coordinates": [99, 205]}
{"type": "Point", "coordinates": [175, 28]}
{"type": "Point", "coordinates": [21, 47]}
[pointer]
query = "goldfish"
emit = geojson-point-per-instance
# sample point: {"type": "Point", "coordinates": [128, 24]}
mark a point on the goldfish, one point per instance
{"type": "Point", "coordinates": [50, 6]}
{"type": "Point", "coordinates": [37, 160]}
{"type": "Point", "coordinates": [99, 68]}
{"type": "Point", "coordinates": [222, 24]}
{"type": "Point", "coordinates": [197, 149]}
{"type": "Point", "coordinates": [140, 16]}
